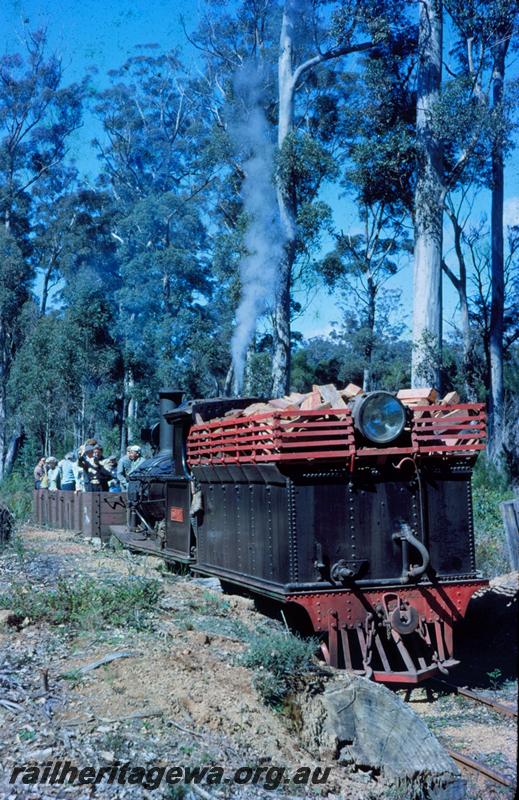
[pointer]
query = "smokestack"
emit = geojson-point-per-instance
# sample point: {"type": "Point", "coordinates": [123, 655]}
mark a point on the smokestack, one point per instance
{"type": "Point", "coordinates": [169, 399]}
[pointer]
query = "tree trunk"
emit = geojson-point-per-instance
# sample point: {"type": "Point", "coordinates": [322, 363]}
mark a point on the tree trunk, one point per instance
{"type": "Point", "coordinates": [131, 421]}
{"type": "Point", "coordinates": [124, 432]}
{"type": "Point", "coordinates": [12, 451]}
{"type": "Point", "coordinates": [82, 415]}
{"type": "Point", "coordinates": [4, 375]}
{"type": "Point", "coordinates": [460, 284]}
{"type": "Point", "coordinates": [428, 221]}
{"type": "Point", "coordinates": [2, 420]}
{"type": "Point", "coordinates": [248, 372]}
{"type": "Point", "coordinates": [496, 404]}
{"type": "Point", "coordinates": [281, 359]}
{"type": "Point", "coordinates": [466, 332]}
{"type": "Point", "coordinates": [229, 381]}
{"type": "Point", "coordinates": [45, 289]}
{"type": "Point", "coordinates": [48, 429]}
{"type": "Point", "coordinates": [129, 410]}
{"type": "Point", "coordinates": [287, 209]}
{"type": "Point", "coordinates": [368, 352]}
{"type": "Point", "coordinates": [288, 77]}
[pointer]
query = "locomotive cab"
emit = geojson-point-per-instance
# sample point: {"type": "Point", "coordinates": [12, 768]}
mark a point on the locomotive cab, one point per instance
{"type": "Point", "coordinates": [163, 503]}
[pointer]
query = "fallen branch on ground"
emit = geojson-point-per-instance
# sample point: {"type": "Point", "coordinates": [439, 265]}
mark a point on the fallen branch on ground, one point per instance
{"type": "Point", "coordinates": [101, 662]}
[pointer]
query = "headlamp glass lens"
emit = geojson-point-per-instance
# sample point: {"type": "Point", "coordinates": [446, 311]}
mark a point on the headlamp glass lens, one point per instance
{"type": "Point", "coordinates": [382, 418]}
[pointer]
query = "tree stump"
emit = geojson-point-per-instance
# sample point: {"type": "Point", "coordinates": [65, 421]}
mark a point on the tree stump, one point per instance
{"type": "Point", "coordinates": [365, 726]}
{"type": "Point", "coordinates": [6, 524]}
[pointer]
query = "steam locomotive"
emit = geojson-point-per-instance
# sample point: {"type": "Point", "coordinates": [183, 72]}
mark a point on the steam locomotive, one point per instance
{"type": "Point", "coordinates": [356, 522]}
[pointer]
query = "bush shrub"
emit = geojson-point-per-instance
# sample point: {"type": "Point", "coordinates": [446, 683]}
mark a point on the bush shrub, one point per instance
{"type": "Point", "coordinates": [489, 489]}
{"type": "Point", "coordinates": [278, 657]}
{"type": "Point", "coordinates": [15, 493]}
{"type": "Point", "coordinates": [86, 603]}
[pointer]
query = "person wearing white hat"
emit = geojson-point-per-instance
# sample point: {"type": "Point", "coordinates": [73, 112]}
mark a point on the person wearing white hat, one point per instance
{"type": "Point", "coordinates": [127, 464]}
{"type": "Point", "coordinates": [53, 474]}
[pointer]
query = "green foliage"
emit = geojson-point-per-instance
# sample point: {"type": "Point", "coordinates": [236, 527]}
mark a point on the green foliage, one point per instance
{"type": "Point", "coordinates": [496, 677]}
{"type": "Point", "coordinates": [27, 735]}
{"type": "Point", "coordinates": [488, 491]}
{"type": "Point", "coordinates": [459, 118]}
{"type": "Point", "coordinates": [178, 792]}
{"type": "Point", "coordinates": [66, 367]}
{"type": "Point", "coordinates": [258, 370]}
{"type": "Point", "coordinates": [75, 676]}
{"type": "Point", "coordinates": [86, 603]}
{"type": "Point", "coordinates": [138, 270]}
{"type": "Point", "coordinates": [15, 276]}
{"type": "Point", "coordinates": [278, 657]}
{"type": "Point", "coordinates": [303, 164]}
{"type": "Point", "coordinates": [340, 358]}
{"type": "Point", "coordinates": [16, 495]}
{"type": "Point", "coordinates": [214, 605]}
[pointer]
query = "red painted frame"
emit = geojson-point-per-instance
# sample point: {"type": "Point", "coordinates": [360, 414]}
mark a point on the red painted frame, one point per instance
{"type": "Point", "coordinates": [294, 435]}
{"type": "Point", "coordinates": [343, 611]}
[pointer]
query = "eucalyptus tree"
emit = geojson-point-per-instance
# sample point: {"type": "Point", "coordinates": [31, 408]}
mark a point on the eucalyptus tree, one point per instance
{"type": "Point", "coordinates": [484, 34]}
{"type": "Point", "coordinates": [378, 150]}
{"type": "Point", "coordinates": [428, 207]}
{"type": "Point", "coordinates": [461, 139]}
{"type": "Point", "coordinates": [37, 115]}
{"type": "Point", "coordinates": [294, 48]}
{"type": "Point", "coordinates": [65, 375]}
{"type": "Point", "coordinates": [360, 268]}
{"type": "Point", "coordinates": [505, 19]}
{"type": "Point", "coordinates": [307, 42]}
{"type": "Point", "coordinates": [157, 169]}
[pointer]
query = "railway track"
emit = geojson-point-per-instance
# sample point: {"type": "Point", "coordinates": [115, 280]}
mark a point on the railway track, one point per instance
{"type": "Point", "coordinates": [504, 710]}
{"type": "Point", "coordinates": [480, 769]}
{"type": "Point", "coordinates": [464, 761]}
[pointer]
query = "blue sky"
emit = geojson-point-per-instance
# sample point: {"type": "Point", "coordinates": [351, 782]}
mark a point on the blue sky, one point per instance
{"type": "Point", "coordinates": [102, 34]}
{"type": "Point", "coordinates": [98, 35]}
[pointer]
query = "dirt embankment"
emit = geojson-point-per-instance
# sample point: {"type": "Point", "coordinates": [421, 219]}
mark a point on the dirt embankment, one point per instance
{"type": "Point", "coordinates": [175, 694]}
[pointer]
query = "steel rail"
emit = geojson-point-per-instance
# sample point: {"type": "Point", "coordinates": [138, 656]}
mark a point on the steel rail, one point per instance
{"type": "Point", "coordinates": [479, 698]}
{"type": "Point", "coordinates": [481, 769]}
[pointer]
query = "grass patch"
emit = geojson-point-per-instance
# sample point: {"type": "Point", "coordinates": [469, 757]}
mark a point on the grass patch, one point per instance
{"type": "Point", "coordinates": [213, 605]}
{"type": "Point", "coordinates": [86, 603]}
{"type": "Point", "coordinates": [278, 658]}
{"type": "Point", "coordinates": [75, 676]}
{"type": "Point", "coordinates": [490, 488]}
{"type": "Point", "coordinates": [210, 614]}
{"type": "Point", "coordinates": [16, 545]}
{"type": "Point", "coordinates": [17, 496]}
{"type": "Point", "coordinates": [27, 735]}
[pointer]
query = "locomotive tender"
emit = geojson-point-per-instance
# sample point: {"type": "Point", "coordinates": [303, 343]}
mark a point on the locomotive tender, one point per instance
{"type": "Point", "coordinates": [356, 522]}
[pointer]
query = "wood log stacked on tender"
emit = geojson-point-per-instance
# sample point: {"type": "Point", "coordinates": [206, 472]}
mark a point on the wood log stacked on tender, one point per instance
{"type": "Point", "coordinates": [418, 397]}
{"type": "Point", "coordinates": [320, 398]}
{"type": "Point", "coordinates": [330, 397]}
{"type": "Point", "coordinates": [429, 396]}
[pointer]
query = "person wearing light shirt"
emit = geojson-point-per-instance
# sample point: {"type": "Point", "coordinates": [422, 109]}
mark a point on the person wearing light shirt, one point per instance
{"type": "Point", "coordinates": [68, 476]}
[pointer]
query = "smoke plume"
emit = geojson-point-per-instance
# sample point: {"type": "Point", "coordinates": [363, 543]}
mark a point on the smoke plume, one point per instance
{"type": "Point", "coordinates": [264, 237]}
